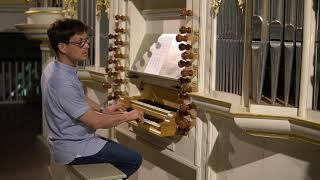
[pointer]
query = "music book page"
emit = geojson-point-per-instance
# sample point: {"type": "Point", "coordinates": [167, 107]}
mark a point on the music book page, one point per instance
{"type": "Point", "coordinates": [164, 51]}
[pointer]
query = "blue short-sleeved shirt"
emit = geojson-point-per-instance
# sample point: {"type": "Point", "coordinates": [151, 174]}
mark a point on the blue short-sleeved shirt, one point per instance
{"type": "Point", "coordinates": [63, 103]}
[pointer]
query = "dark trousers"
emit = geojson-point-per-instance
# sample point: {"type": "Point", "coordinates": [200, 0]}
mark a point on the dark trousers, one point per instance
{"type": "Point", "coordinates": [125, 159]}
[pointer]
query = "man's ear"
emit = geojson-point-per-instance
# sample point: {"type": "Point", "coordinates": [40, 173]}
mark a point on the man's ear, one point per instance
{"type": "Point", "coordinates": [62, 47]}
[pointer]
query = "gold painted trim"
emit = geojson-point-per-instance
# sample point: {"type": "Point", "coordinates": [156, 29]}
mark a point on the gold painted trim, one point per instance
{"type": "Point", "coordinates": [215, 7]}
{"type": "Point", "coordinates": [30, 12]}
{"type": "Point", "coordinates": [242, 5]}
{"type": "Point", "coordinates": [305, 123]}
{"type": "Point", "coordinates": [268, 134]}
{"type": "Point", "coordinates": [283, 136]}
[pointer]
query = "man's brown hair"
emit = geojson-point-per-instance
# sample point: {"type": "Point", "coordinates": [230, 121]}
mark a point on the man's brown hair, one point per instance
{"type": "Point", "coordinates": [62, 30]}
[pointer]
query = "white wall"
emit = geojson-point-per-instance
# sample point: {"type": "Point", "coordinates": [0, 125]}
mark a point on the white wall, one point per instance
{"type": "Point", "coordinates": [12, 14]}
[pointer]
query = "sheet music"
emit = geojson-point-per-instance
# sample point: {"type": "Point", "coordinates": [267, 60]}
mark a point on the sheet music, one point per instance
{"type": "Point", "coordinates": [163, 51]}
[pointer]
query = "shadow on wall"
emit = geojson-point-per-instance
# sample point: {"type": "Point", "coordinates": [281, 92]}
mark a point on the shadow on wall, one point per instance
{"type": "Point", "coordinates": [237, 151]}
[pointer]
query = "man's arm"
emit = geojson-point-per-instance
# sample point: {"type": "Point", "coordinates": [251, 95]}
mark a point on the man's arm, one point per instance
{"type": "Point", "coordinates": [98, 120]}
{"type": "Point", "coordinates": [119, 106]}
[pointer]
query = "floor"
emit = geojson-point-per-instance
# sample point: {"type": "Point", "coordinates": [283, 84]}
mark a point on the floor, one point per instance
{"type": "Point", "coordinates": [22, 155]}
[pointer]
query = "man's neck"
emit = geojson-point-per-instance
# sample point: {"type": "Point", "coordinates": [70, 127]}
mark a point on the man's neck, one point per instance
{"type": "Point", "coordinates": [65, 60]}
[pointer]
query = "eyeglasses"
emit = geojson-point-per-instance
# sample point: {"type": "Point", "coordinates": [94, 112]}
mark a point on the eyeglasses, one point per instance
{"type": "Point", "coordinates": [80, 43]}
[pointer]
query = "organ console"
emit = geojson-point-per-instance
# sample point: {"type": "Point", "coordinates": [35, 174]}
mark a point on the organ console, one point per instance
{"type": "Point", "coordinates": [153, 71]}
{"type": "Point", "coordinates": [160, 116]}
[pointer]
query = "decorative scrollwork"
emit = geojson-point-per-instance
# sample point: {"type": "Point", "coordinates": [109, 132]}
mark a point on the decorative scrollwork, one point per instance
{"type": "Point", "coordinates": [242, 5]}
{"type": "Point", "coordinates": [101, 4]}
{"type": "Point", "coordinates": [215, 7]}
{"type": "Point", "coordinates": [107, 5]}
{"type": "Point", "coordinates": [70, 8]}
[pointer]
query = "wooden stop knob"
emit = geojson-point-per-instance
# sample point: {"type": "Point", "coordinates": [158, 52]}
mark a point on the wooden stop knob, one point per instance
{"type": "Point", "coordinates": [185, 12]}
{"type": "Point", "coordinates": [113, 36]}
{"type": "Point", "coordinates": [121, 18]}
{"type": "Point", "coordinates": [187, 72]}
{"type": "Point", "coordinates": [184, 30]}
{"type": "Point", "coordinates": [187, 55]}
{"type": "Point", "coordinates": [183, 63]}
{"type": "Point", "coordinates": [183, 47]}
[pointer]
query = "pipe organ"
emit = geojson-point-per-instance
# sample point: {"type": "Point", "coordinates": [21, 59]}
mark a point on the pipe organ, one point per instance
{"type": "Point", "coordinates": [205, 71]}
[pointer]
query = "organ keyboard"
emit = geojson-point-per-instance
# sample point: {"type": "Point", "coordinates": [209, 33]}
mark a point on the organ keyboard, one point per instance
{"type": "Point", "coordinates": [159, 119]}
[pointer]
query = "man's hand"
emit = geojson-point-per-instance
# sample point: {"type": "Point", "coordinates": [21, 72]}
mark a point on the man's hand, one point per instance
{"type": "Point", "coordinates": [119, 106]}
{"type": "Point", "coordinates": [135, 115]}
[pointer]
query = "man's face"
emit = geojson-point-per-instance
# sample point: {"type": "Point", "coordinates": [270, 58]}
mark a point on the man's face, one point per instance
{"type": "Point", "coordinates": [78, 47]}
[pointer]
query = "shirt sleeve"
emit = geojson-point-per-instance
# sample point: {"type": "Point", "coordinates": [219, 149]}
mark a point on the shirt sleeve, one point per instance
{"type": "Point", "coordinates": [73, 101]}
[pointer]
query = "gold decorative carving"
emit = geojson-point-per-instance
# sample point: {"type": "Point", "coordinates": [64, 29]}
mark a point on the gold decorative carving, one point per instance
{"type": "Point", "coordinates": [242, 5]}
{"type": "Point", "coordinates": [215, 7]}
{"type": "Point", "coordinates": [107, 5]}
{"type": "Point", "coordinates": [70, 9]}
{"type": "Point", "coordinates": [99, 7]}
{"type": "Point", "coordinates": [100, 4]}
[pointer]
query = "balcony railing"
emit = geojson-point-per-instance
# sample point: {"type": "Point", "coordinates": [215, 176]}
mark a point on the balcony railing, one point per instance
{"type": "Point", "coordinates": [20, 69]}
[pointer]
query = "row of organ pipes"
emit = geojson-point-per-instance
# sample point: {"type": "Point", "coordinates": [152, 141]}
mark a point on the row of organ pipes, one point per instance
{"type": "Point", "coordinates": [277, 51]}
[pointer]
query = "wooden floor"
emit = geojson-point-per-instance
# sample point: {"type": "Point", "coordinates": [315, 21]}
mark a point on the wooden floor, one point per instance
{"type": "Point", "coordinates": [22, 155]}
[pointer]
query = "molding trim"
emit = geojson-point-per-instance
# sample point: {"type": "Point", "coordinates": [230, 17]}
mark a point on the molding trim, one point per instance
{"type": "Point", "coordinates": [13, 8]}
{"type": "Point", "coordinates": [284, 136]}
{"type": "Point", "coordinates": [154, 14]}
{"type": "Point", "coordinates": [30, 12]}
{"type": "Point", "coordinates": [268, 126]}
